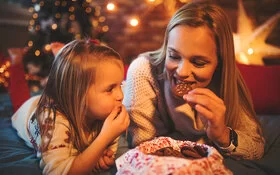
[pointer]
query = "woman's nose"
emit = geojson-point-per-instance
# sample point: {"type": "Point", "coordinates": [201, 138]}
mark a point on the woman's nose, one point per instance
{"type": "Point", "coordinates": [184, 69]}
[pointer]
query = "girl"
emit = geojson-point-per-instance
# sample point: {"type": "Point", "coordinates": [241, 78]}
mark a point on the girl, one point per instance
{"type": "Point", "coordinates": [76, 123]}
{"type": "Point", "coordinates": [197, 55]}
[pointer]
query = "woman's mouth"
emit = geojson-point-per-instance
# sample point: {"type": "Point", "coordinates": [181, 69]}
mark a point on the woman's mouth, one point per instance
{"type": "Point", "coordinates": [181, 88]}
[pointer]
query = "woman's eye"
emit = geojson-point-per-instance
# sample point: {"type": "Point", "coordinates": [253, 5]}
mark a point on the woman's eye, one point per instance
{"type": "Point", "coordinates": [174, 57]}
{"type": "Point", "coordinates": [199, 63]}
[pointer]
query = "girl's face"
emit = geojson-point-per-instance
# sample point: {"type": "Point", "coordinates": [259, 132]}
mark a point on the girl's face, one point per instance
{"type": "Point", "coordinates": [105, 93]}
{"type": "Point", "coordinates": [190, 56]}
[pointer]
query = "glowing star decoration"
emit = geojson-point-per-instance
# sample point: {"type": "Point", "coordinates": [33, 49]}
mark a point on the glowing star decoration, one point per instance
{"type": "Point", "coordinates": [250, 45]}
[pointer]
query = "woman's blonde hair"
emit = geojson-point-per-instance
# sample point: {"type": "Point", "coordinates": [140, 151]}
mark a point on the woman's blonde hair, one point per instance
{"type": "Point", "coordinates": [231, 87]}
{"type": "Point", "coordinates": [72, 73]}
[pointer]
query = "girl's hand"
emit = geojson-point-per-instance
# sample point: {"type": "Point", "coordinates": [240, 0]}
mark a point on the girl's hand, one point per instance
{"type": "Point", "coordinates": [93, 156]}
{"type": "Point", "coordinates": [116, 123]}
{"type": "Point", "coordinates": [105, 162]}
{"type": "Point", "coordinates": [211, 110]}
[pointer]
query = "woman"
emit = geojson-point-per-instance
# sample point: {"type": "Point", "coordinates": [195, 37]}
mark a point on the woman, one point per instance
{"type": "Point", "coordinates": [197, 55]}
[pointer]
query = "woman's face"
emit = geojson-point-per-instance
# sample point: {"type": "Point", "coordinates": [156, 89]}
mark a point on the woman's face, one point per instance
{"type": "Point", "coordinates": [105, 93]}
{"type": "Point", "coordinates": [191, 57]}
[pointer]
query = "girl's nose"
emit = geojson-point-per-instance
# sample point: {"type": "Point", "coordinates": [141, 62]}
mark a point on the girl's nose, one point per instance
{"type": "Point", "coordinates": [119, 95]}
{"type": "Point", "coordinates": [184, 69]}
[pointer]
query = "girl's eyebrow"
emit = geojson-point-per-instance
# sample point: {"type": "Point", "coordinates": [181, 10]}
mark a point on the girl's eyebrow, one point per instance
{"type": "Point", "coordinates": [111, 85]}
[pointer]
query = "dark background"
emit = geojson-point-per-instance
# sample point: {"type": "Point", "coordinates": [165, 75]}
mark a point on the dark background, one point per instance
{"type": "Point", "coordinates": [130, 41]}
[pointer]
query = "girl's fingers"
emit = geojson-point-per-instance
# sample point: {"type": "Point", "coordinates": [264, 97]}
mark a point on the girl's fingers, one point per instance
{"type": "Point", "coordinates": [122, 115]}
{"type": "Point", "coordinates": [114, 113]}
{"type": "Point", "coordinates": [102, 164]}
{"type": "Point", "coordinates": [127, 122]}
{"type": "Point", "coordinates": [109, 153]}
{"type": "Point", "coordinates": [94, 170]}
{"type": "Point", "coordinates": [97, 167]}
{"type": "Point", "coordinates": [109, 161]}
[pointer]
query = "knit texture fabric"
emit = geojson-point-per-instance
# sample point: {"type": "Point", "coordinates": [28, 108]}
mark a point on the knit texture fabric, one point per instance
{"type": "Point", "coordinates": [145, 100]}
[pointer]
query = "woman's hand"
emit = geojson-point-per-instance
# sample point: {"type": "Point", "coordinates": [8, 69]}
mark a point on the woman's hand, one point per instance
{"type": "Point", "coordinates": [116, 123]}
{"type": "Point", "coordinates": [211, 110]}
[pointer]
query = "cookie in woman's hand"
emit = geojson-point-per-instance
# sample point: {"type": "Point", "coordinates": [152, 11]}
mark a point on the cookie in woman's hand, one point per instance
{"type": "Point", "coordinates": [181, 89]}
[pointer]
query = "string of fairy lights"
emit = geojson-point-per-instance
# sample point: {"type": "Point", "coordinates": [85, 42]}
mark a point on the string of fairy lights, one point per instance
{"type": "Point", "coordinates": [64, 16]}
{"type": "Point", "coordinates": [4, 73]}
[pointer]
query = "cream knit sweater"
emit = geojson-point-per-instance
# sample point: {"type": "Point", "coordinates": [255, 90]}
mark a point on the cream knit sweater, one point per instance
{"type": "Point", "coordinates": [154, 112]}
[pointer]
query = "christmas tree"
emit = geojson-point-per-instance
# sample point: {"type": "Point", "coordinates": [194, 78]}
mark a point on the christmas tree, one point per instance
{"type": "Point", "coordinates": [63, 21]}
{"type": "Point", "coordinates": [59, 21]}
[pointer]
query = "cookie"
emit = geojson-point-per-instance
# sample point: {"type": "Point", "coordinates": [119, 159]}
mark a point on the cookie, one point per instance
{"type": "Point", "coordinates": [182, 89]}
{"type": "Point", "coordinates": [195, 152]}
{"type": "Point", "coordinates": [168, 151]}
{"type": "Point", "coordinates": [190, 152]}
{"type": "Point", "coordinates": [201, 150]}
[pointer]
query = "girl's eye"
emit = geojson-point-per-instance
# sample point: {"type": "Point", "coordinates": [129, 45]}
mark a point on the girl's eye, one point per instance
{"type": "Point", "coordinates": [110, 89]}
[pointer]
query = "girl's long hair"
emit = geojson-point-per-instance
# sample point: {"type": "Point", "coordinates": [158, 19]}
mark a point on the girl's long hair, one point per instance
{"type": "Point", "coordinates": [72, 73]}
{"type": "Point", "coordinates": [231, 88]}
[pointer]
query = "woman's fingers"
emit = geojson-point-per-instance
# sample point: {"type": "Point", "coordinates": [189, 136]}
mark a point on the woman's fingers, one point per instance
{"type": "Point", "coordinates": [206, 92]}
{"type": "Point", "coordinates": [202, 100]}
{"type": "Point", "coordinates": [209, 106]}
{"type": "Point", "coordinates": [207, 115]}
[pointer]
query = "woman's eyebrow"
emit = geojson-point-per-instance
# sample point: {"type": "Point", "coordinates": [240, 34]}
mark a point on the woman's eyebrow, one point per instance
{"type": "Point", "coordinates": [172, 49]}
{"type": "Point", "coordinates": [179, 53]}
